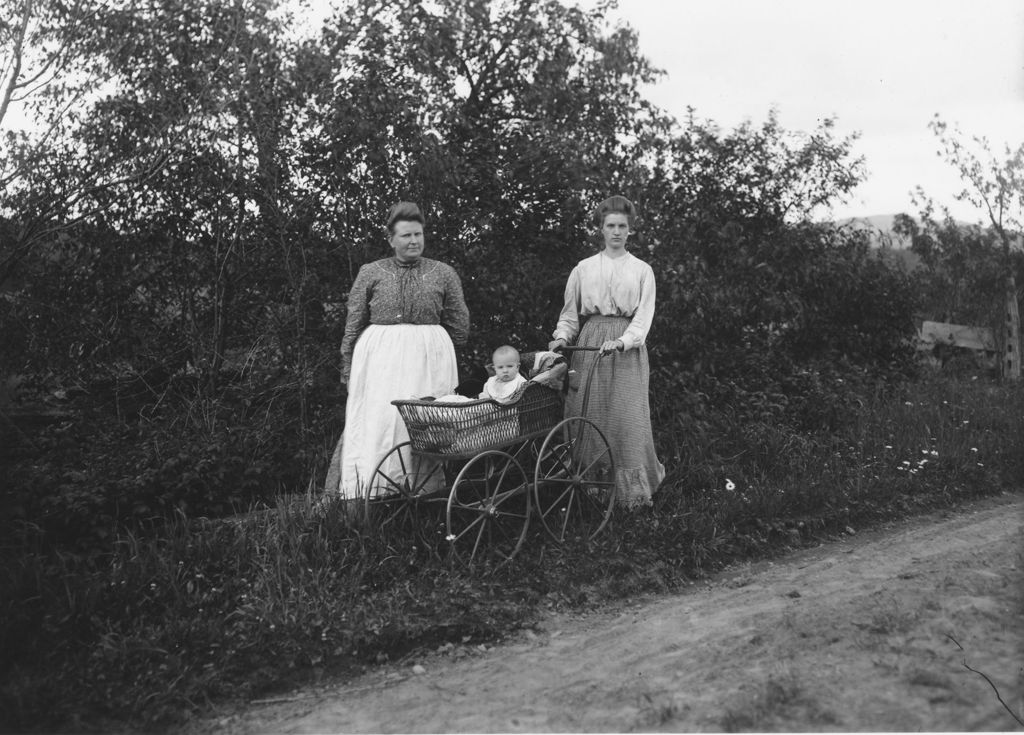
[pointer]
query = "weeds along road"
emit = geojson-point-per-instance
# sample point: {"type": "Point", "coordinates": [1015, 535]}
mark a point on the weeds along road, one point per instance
{"type": "Point", "coordinates": [871, 632]}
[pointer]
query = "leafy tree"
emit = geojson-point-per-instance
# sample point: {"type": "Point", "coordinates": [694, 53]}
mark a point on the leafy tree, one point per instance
{"type": "Point", "coordinates": [53, 65]}
{"type": "Point", "coordinates": [45, 64]}
{"type": "Point", "coordinates": [199, 225]}
{"type": "Point", "coordinates": [188, 149]}
{"type": "Point", "coordinates": [981, 267]}
{"type": "Point", "coordinates": [961, 267]}
{"type": "Point", "coordinates": [761, 309]}
{"type": "Point", "coordinates": [504, 119]}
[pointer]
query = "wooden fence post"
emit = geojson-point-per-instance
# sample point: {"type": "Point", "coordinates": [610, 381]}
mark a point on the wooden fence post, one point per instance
{"type": "Point", "coordinates": [1011, 360]}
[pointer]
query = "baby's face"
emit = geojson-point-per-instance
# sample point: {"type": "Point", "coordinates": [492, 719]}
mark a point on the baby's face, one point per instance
{"type": "Point", "coordinates": [506, 369]}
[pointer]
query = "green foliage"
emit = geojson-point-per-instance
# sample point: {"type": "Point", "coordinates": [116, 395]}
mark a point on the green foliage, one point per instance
{"type": "Point", "coordinates": [774, 323]}
{"type": "Point", "coordinates": [760, 309]}
{"type": "Point", "coordinates": [242, 179]}
{"type": "Point", "coordinates": [192, 286]}
{"type": "Point", "coordinates": [176, 256]}
{"type": "Point", "coordinates": [993, 183]}
{"type": "Point", "coordinates": [502, 119]}
{"type": "Point", "coordinates": [88, 477]}
{"type": "Point", "coordinates": [964, 269]}
{"type": "Point", "coordinates": [146, 632]}
{"type": "Point", "coordinates": [972, 274]}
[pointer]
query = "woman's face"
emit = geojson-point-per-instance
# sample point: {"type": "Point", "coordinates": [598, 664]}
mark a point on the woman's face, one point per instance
{"type": "Point", "coordinates": [615, 231]}
{"type": "Point", "coordinates": [407, 240]}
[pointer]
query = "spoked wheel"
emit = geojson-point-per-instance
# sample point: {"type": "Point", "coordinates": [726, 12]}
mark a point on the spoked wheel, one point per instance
{"type": "Point", "coordinates": [489, 508]}
{"type": "Point", "coordinates": [574, 480]}
{"type": "Point", "coordinates": [401, 487]}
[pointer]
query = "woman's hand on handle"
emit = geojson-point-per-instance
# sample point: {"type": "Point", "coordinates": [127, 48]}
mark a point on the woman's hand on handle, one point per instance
{"type": "Point", "coordinates": [556, 344]}
{"type": "Point", "coordinates": [612, 345]}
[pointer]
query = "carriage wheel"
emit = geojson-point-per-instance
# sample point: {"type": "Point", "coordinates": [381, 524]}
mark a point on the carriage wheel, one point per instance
{"type": "Point", "coordinates": [574, 480]}
{"type": "Point", "coordinates": [489, 508]}
{"type": "Point", "coordinates": [400, 487]}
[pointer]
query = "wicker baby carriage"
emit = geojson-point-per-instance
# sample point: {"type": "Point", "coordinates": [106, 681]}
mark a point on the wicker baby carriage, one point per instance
{"type": "Point", "coordinates": [467, 427]}
{"type": "Point", "coordinates": [491, 466]}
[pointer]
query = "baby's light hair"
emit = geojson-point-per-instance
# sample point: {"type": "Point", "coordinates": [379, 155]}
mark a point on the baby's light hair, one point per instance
{"type": "Point", "coordinates": [505, 350]}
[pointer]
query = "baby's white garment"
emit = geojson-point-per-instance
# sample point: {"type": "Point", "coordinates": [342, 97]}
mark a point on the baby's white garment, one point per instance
{"type": "Point", "coordinates": [499, 391]}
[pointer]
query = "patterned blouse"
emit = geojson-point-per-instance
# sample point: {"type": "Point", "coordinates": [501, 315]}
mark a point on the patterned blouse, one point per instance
{"type": "Point", "coordinates": [622, 286]}
{"type": "Point", "coordinates": [390, 292]}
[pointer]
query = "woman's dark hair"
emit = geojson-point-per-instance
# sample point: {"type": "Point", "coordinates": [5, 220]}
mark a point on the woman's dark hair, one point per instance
{"type": "Point", "coordinates": [615, 205]}
{"type": "Point", "coordinates": [404, 212]}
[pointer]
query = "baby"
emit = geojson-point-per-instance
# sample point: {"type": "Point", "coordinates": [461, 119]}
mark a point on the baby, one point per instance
{"type": "Point", "coordinates": [487, 423]}
{"type": "Point", "coordinates": [506, 380]}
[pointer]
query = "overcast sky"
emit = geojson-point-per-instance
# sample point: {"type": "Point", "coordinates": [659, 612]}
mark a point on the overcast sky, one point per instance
{"type": "Point", "coordinates": [883, 68]}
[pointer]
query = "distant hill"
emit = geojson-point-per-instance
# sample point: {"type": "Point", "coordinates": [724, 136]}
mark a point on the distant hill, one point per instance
{"type": "Point", "coordinates": [879, 227]}
{"type": "Point", "coordinates": [892, 247]}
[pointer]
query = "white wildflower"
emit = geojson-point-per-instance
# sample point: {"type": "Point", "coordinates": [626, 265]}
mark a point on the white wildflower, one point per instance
{"type": "Point", "coordinates": [729, 484]}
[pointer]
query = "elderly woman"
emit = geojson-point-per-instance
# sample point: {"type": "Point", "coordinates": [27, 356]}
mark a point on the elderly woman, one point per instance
{"type": "Point", "coordinates": [612, 294]}
{"type": "Point", "coordinates": [406, 313]}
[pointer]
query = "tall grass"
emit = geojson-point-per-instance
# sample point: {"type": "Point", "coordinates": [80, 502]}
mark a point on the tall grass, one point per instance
{"type": "Point", "coordinates": [153, 629]}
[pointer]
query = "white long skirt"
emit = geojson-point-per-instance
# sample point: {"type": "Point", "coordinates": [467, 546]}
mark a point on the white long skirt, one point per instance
{"type": "Point", "coordinates": [390, 362]}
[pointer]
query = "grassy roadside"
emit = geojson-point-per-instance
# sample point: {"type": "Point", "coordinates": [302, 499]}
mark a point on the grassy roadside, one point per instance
{"type": "Point", "coordinates": [153, 630]}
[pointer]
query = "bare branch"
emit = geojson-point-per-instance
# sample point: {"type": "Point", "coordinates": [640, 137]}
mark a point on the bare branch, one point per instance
{"type": "Point", "coordinates": [59, 56]}
{"type": "Point", "coordinates": [17, 52]}
{"type": "Point", "coordinates": [28, 240]}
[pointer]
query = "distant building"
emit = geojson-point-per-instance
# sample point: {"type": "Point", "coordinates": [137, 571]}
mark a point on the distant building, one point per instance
{"type": "Point", "coordinates": [940, 342]}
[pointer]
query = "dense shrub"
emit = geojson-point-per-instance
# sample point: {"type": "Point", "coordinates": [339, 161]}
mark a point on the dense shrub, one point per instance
{"type": "Point", "coordinates": [87, 478]}
{"type": "Point", "coordinates": [227, 264]}
{"type": "Point", "coordinates": [187, 313]}
{"type": "Point", "coordinates": [151, 628]}
{"type": "Point", "coordinates": [792, 326]}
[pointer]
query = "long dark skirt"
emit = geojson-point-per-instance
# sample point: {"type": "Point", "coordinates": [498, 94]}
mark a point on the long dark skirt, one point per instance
{"type": "Point", "coordinates": [619, 404]}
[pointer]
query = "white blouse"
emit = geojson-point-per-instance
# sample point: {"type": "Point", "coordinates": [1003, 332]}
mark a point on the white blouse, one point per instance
{"type": "Point", "coordinates": [621, 286]}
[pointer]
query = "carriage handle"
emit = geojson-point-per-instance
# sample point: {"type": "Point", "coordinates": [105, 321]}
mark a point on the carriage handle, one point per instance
{"type": "Point", "coordinates": [590, 374]}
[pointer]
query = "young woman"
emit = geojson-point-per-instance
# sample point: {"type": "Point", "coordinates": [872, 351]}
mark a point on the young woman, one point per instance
{"type": "Point", "coordinates": [612, 295]}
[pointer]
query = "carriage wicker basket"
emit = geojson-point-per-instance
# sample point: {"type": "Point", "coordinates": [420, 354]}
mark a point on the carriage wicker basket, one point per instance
{"type": "Point", "coordinates": [467, 427]}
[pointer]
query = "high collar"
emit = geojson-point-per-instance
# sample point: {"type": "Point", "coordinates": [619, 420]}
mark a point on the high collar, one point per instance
{"type": "Point", "coordinates": [402, 264]}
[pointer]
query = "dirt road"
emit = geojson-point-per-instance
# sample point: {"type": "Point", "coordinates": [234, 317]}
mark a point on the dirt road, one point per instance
{"type": "Point", "coordinates": [867, 633]}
